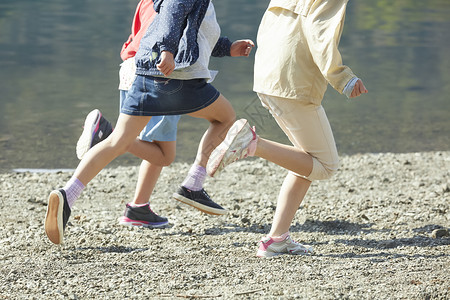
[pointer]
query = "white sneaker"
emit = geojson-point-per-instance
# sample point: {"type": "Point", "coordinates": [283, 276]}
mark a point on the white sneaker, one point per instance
{"type": "Point", "coordinates": [268, 247]}
{"type": "Point", "coordinates": [239, 143]}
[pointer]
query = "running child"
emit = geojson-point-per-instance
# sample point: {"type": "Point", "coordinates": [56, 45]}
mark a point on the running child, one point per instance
{"type": "Point", "coordinates": [172, 79]}
{"type": "Point", "coordinates": [297, 58]}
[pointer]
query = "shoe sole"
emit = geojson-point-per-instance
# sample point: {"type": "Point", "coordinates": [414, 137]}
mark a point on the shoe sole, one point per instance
{"type": "Point", "coordinates": [54, 218]}
{"type": "Point", "coordinates": [203, 208]}
{"type": "Point", "coordinates": [91, 125]}
{"type": "Point", "coordinates": [218, 154]}
{"type": "Point", "coordinates": [128, 222]}
{"type": "Point", "coordinates": [265, 254]}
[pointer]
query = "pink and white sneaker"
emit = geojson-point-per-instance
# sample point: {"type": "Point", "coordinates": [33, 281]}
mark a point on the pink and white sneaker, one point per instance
{"type": "Point", "coordinates": [240, 142]}
{"type": "Point", "coordinates": [268, 247]}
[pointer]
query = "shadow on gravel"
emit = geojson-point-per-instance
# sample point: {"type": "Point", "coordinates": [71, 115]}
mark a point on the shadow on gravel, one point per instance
{"type": "Point", "coordinates": [335, 227]}
{"type": "Point", "coordinates": [383, 256]}
{"type": "Point", "coordinates": [427, 228]}
{"type": "Point", "coordinates": [417, 241]}
{"type": "Point", "coordinates": [112, 249]}
{"type": "Point", "coordinates": [228, 228]}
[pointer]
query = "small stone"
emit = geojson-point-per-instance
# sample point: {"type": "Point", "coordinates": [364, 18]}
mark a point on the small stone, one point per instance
{"type": "Point", "coordinates": [245, 220]}
{"type": "Point", "coordinates": [439, 233]}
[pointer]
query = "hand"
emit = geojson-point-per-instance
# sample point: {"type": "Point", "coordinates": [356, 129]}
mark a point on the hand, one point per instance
{"type": "Point", "coordinates": [241, 48]}
{"type": "Point", "coordinates": [358, 89]}
{"type": "Point", "coordinates": [167, 64]}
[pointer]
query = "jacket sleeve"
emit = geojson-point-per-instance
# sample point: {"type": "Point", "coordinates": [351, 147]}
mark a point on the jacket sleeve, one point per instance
{"type": "Point", "coordinates": [325, 21]}
{"type": "Point", "coordinates": [222, 47]}
{"type": "Point", "coordinates": [172, 22]}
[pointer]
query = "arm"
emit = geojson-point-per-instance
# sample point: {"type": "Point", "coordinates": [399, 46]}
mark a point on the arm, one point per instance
{"type": "Point", "coordinates": [325, 22]}
{"type": "Point", "coordinates": [354, 88]}
{"type": "Point", "coordinates": [222, 47]}
{"type": "Point", "coordinates": [358, 89]}
{"type": "Point", "coordinates": [167, 63]}
{"type": "Point", "coordinates": [172, 17]}
{"type": "Point", "coordinates": [172, 13]}
{"type": "Point", "coordinates": [241, 48]}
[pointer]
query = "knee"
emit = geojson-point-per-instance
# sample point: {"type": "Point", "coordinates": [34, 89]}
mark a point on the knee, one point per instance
{"type": "Point", "coordinates": [224, 124]}
{"type": "Point", "coordinates": [323, 170]}
{"type": "Point", "coordinates": [167, 159]}
{"type": "Point", "coordinates": [229, 120]}
{"type": "Point", "coordinates": [330, 170]}
{"type": "Point", "coordinates": [228, 117]}
{"type": "Point", "coordinates": [232, 117]}
{"type": "Point", "coordinates": [168, 153]}
{"type": "Point", "coordinates": [223, 115]}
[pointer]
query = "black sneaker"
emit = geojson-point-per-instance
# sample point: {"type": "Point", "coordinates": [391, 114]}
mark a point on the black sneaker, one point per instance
{"type": "Point", "coordinates": [96, 129]}
{"type": "Point", "coordinates": [142, 216]}
{"type": "Point", "coordinates": [200, 200]}
{"type": "Point", "coordinates": [58, 213]}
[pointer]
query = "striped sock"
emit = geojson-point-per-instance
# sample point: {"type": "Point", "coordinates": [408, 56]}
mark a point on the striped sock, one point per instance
{"type": "Point", "coordinates": [73, 189]}
{"type": "Point", "coordinates": [195, 178]}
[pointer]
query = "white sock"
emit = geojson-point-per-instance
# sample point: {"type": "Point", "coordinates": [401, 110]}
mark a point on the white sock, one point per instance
{"type": "Point", "coordinates": [73, 189]}
{"type": "Point", "coordinates": [195, 178]}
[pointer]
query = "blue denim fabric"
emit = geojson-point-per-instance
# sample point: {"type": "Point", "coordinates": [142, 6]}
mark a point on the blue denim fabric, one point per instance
{"type": "Point", "coordinates": [175, 29]}
{"type": "Point", "coordinates": [157, 96]}
{"type": "Point", "coordinates": [159, 128]}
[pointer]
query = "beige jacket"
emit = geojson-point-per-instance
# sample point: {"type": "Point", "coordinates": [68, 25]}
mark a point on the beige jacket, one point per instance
{"type": "Point", "coordinates": [298, 52]}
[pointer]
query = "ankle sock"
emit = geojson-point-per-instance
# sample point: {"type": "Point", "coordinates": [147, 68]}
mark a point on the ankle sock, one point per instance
{"type": "Point", "coordinates": [73, 189]}
{"type": "Point", "coordinates": [195, 178]}
{"type": "Point", "coordinates": [280, 238]}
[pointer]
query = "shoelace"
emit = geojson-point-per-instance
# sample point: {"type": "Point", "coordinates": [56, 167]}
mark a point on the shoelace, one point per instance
{"type": "Point", "coordinates": [205, 193]}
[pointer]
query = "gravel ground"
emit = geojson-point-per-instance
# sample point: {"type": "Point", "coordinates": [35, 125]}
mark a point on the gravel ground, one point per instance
{"type": "Point", "coordinates": [379, 229]}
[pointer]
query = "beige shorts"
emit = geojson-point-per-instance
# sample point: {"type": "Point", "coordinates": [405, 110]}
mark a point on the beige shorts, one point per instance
{"type": "Point", "coordinates": [308, 129]}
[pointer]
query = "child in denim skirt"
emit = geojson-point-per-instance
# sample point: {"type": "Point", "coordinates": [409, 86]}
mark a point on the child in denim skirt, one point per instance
{"type": "Point", "coordinates": [172, 79]}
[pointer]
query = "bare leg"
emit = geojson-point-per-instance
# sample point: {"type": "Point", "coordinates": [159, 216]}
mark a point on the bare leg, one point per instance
{"type": "Point", "coordinates": [148, 176]}
{"type": "Point", "coordinates": [123, 136]}
{"type": "Point", "coordinates": [308, 129]}
{"type": "Point", "coordinates": [221, 116]}
{"type": "Point", "coordinates": [149, 173]}
{"type": "Point", "coordinates": [291, 195]}
{"type": "Point", "coordinates": [286, 156]}
{"type": "Point", "coordinates": [155, 152]}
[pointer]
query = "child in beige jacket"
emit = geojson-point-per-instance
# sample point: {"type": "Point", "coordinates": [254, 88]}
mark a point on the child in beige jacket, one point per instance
{"type": "Point", "coordinates": [297, 57]}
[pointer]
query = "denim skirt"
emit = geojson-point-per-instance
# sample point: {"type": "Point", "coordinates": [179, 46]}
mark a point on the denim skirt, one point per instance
{"type": "Point", "coordinates": [156, 96]}
{"type": "Point", "coordinates": [159, 128]}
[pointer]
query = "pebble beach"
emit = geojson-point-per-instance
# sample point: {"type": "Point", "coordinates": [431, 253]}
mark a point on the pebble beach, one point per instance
{"type": "Point", "coordinates": [379, 228]}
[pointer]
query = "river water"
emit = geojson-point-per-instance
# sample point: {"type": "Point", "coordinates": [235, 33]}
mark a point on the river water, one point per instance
{"type": "Point", "coordinates": [59, 60]}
